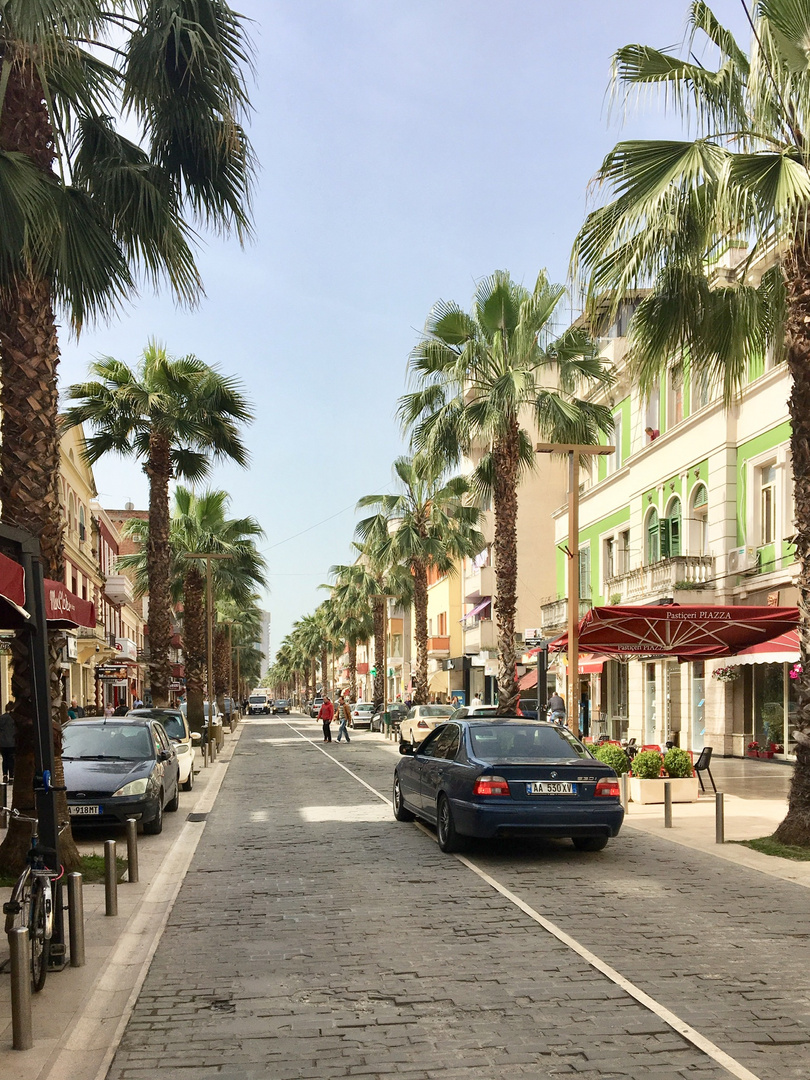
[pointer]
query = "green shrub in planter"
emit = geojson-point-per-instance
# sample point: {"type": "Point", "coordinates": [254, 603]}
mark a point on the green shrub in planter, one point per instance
{"type": "Point", "coordinates": [613, 756]}
{"type": "Point", "coordinates": [677, 763]}
{"type": "Point", "coordinates": [647, 765]}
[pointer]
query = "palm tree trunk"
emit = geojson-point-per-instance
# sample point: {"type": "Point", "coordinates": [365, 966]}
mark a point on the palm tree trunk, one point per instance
{"type": "Point", "coordinates": [29, 451]}
{"type": "Point", "coordinates": [380, 613]}
{"type": "Point", "coordinates": [420, 588]}
{"type": "Point", "coordinates": [220, 665]}
{"type": "Point", "coordinates": [353, 670]}
{"type": "Point", "coordinates": [505, 456]}
{"type": "Point", "coordinates": [159, 470]}
{"type": "Point", "coordinates": [795, 829]}
{"type": "Point", "coordinates": [325, 671]}
{"type": "Point", "coordinates": [194, 646]}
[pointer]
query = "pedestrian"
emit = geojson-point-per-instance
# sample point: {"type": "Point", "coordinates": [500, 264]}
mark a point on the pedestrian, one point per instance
{"type": "Point", "coordinates": [137, 703]}
{"type": "Point", "coordinates": [108, 709]}
{"type": "Point", "coordinates": [7, 743]}
{"type": "Point", "coordinates": [325, 715]}
{"type": "Point", "coordinates": [73, 711]}
{"type": "Point", "coordinates": [344, 715]}
{"type": "Point", "coordinates": [476, 702]}
{"type": "Point", "coordinates": [556, 708]}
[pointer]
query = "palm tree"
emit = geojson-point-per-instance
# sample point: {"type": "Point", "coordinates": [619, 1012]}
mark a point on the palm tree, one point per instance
{"type": "Point", "coordinates": [88, 212]}
{"type": "Point", "coordinates": [199, 524]}
{"type": "Point", "coordinates": [480, 377]}
{"type": "Point", "coordinates": [355, 617]}
{"type": "Point", "coordinates": [315, 644]}
{"type": "Point", "coordinates": [671, 206]}
{"type": "Point", "coordinates": [428, 525]}
{"type": "Point", "coordinates": [175, 415]}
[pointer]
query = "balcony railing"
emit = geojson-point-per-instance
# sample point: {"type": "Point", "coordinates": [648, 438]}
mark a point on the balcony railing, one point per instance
{"type": "Point", "coordinates": [479, 583]}
{"type": "Point", "coordinates": [554, 615]}
{"type": "Point", "coordinates": [438, 646]}
{"type": "Point", "coordinates": [479, 636]}
{"type": "Point", "coordinates": [671, 577]}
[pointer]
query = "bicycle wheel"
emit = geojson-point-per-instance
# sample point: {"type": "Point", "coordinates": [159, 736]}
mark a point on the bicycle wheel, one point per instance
{"type": "Point", "coordinates": [38, 931]}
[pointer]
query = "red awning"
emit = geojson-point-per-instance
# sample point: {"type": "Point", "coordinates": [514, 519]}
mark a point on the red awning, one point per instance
{"type": "Point", "coordinates": [63, 609]}
{"type": "Point", "coordinates": [529, 680]}
{"type": "Point", "coordinates": [589, 664]}
{"type": "Point", "coordinates": [12, 583]}
{"type": "Point", "coordinates": [687, 631]}
{"type": "Point", "coordinates": [784, 649]}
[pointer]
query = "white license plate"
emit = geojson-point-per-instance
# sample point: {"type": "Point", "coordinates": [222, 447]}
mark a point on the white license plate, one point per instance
{"type": "Point", "coordinates": [82, 811]}
{"type": "Point", "coordinates": [551, 787]}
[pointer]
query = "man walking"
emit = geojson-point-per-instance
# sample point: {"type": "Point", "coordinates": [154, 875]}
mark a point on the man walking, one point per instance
{"type": "Point", "coordinates": [556, 709]}
{"type": "Point", "coordinates": [325, 715]}
{"type": "Point", "coordinates": [344, 715]}
{"type": "Point", "coordinates": [7, 741]}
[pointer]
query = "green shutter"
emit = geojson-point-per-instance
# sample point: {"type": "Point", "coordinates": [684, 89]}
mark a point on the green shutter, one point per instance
{"type": "Point", "coordinates": [663, 539]}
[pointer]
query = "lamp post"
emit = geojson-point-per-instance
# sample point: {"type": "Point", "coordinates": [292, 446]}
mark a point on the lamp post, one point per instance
{"type": "Point", "coordinates": [209, 605]}
{"type": "Point", "coordinates": [572, 551]}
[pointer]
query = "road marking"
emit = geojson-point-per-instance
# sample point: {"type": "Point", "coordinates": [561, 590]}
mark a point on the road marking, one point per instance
{"type": "Point", "coordinates": [686, 1031]}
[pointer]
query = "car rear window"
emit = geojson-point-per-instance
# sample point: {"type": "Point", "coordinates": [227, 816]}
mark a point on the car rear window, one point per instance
{"type": "Point", "coordinates": [436, 710]}
{"type": "Point", "coordinates": [175, 728]}
{"type": "Point", "coordinates": [120, 742]}
{"type": "Point", "coordinates": [524, 742]}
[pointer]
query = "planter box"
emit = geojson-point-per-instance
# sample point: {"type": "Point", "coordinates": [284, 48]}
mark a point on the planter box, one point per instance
{"type": "Point", "coordinates": [764, 754]}
{"type": "Point", "coordinates": [652, 791]}
{"type": "Point", "coordinates": [752, 753]}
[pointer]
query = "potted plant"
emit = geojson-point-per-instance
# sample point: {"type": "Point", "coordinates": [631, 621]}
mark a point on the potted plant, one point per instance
{"type": "Point", "coordinates": [646, 784]}
{"type": "Point", "coordinates": [613, 756]}
{"type": "Point", "coordinates": [683, 782]}
{"type": "Point", "coordinates": [753, 748]}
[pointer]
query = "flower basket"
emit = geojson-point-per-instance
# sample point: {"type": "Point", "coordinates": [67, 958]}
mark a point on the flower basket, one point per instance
{"type": "Point", "coordinates": [727, 674]}
{"type": "Point", "coordinates": [764, 754]}
{"type": "Point", "coordinates": [752, 750]}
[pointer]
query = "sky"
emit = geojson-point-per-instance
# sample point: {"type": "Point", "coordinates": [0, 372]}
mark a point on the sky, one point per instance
{"type": "Point", "coordinates": [406, 149]}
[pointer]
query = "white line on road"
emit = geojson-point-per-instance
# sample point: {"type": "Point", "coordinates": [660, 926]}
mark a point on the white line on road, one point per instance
{"type": "Point", "coordinates": [683, 1029]}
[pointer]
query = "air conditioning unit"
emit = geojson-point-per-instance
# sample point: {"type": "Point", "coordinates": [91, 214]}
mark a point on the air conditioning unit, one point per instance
{"type": "Point", "coordinates": [741, 559]}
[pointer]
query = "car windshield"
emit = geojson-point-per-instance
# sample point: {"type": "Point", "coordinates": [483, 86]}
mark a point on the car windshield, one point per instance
{"type": "Point", "coordinates": [116, 742]}
{"type": "Point", "coordinates": [436, 710]}
{"type": "Point", "coordinates": [363, 706]}
{"type": "Point", "coordinates": [256, 699]}
{"type": "Point", "coordinates": [175, 728]}
{"type": "Point", "coordinates": [524, 742]}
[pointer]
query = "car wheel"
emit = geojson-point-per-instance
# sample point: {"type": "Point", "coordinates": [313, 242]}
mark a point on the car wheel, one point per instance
{"type": "Point", "coordinates": [155, 826]}
{"type": "Point", "coordinates": [449, 840]}
{"type": "Point", "coordinates": [175, 802]}
{"type": "Point", "coordinates": [401, 812]}
{"type": "Point", "coordinates": [189, 784]}
{"type": "Point", "coordinates": [589, 843]}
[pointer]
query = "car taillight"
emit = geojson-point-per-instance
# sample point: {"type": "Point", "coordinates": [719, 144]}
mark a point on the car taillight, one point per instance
{"type": "Point", "coordinates": [490, 785]}
{"type": "Point", "coordinates": [608, 786]}
{"type": "Point", "coordinates": [422, 723]}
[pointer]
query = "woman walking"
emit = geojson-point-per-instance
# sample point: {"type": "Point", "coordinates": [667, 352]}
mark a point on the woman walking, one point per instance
{"type": "Point", "coordinates": [344, 714]}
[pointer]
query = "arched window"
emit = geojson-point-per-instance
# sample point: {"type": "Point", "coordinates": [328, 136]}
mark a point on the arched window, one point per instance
{"type": "Point", "coordinates": [71, 513]}
{"type": "Point", "coordinates": [671, 540]}
{"type": "Point", "coordinates": [82, 523]}
{"type": "Point", "coordinates": [699, 521]}
{"type": "Point", "coordinates": [653, 533]}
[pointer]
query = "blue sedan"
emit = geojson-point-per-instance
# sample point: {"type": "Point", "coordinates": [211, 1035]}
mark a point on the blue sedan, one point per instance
{"type": "Point", "coordinates": [507, 778]}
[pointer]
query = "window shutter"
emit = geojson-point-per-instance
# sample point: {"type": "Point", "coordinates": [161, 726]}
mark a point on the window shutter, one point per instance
{"type": "Point", "coordinates": [663, 538]}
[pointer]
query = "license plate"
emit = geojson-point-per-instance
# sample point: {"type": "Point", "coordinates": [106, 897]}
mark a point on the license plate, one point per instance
{"type": "Point", "coordinates": [551, 787]}
{"type": "Point", "coordinates": [81, 811]}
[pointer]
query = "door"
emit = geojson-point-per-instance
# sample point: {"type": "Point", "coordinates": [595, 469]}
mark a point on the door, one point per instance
{"type": "Point", "coordinates": [673, 691]}
{"type": "Point", "coordinates": [650, 711]}
{"type": "Point", "coordinates": [438, 758]}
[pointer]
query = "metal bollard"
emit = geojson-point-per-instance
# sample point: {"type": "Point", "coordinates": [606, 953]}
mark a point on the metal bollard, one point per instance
{"type": "Point", "coordinates": [3, 794]}
{"type": "Point", "coordinates": [132, 849]}
{"type": "Point", "coordinates": [719, 819]}
{"type": "Point", "coordinates": [667, 805]}
{"type": "Point", "coordinates": [624, 790]}
{"type": "Point", "coordinates": [76, 920]}
{"type": "Point", "coordinates": [110, 879]}
{"type": "Point", "coordinates": [22, 1032]}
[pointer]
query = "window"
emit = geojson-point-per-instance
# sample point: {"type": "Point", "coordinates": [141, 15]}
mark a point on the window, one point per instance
{"type": "Point", "coordinates": [653, 552]}
{"type": "Point", "coordinates": [610, 558]}
{"type": "Point", "coordinates": [585, 573]}
{"type": "Point", "coordinates": [699, 522]}
{"type": "Point", "coordinates": [701, 393]}
{"type": "Point", "coordinates": [767, 505]}
{"type": "Point", "coordinates": [652, 416]}
{"type": "Point", "coordinates": [624, 552]}
{"type": "Point", "coordinates": [614, 462]}
{"type": "Point", "coordinates": [82, 524]}
{"type": "Point", "coordinates": [442, 627]}
{"type": "Point", "coordinates": [675, 396]}
{"type": "Point", "coordinates": [671, 537]}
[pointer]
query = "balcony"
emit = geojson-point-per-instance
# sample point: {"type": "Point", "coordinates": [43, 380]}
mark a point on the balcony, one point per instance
{"type": "Point", "coordinates": [479, 583]}
{"type": "Point", "coordinates": [554, 615]}
{"type": "Point", "coordinates": [686, 578]}
{"type": "Point", "coordinates": [438, 647]}
{"type": "Point", "coordinates": [479, 636]}
{"type": "Point", "coordinates": [119, 589]}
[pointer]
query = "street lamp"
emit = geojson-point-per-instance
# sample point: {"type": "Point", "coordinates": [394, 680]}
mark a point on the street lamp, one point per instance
{"type": "Point", "coordinates": [209, 604]}
{"type": "Point", "coordinates": [572, 551]}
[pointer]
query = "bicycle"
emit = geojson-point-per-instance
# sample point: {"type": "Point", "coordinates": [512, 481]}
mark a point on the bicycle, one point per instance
{"type": "Point", "coordinates": [31, 904]}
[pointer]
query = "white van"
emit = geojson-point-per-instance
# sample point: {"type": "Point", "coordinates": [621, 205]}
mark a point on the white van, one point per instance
{"type": "Point", "coordinates": [258, 702]}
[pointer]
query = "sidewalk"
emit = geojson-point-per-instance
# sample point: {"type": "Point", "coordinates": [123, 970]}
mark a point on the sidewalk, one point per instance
{"type": "Point", "coordinates": [79, 1016]}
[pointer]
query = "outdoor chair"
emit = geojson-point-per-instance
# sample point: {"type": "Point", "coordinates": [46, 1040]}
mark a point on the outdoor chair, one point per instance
{"type": "Point", "coordinates": [702, 765]}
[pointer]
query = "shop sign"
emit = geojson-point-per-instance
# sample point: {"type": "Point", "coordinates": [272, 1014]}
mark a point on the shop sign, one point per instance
{"type": "Point", "coordinates": [111, 673]}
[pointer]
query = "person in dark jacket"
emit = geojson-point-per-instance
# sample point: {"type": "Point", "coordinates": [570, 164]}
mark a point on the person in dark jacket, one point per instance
{"type": "Point", "coordinates": [7, 743]}
{"type": "Point", "coordinates": [326, 714]}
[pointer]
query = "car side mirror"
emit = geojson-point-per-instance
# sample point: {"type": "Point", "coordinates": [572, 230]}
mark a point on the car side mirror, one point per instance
{"type": "Point", "coordinates": [165, 755]}
{"type": "Point", "coordinates": [406, 748]}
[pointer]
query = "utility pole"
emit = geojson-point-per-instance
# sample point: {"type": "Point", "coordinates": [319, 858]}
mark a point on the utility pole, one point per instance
{"type": "Point", "coordinates": [209, 604]}
{"type": "Point", "coordinates": [573, 450]}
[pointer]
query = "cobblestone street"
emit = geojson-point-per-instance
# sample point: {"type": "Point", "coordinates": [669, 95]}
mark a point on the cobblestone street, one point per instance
{"type": "Point", "coordinates": [316, 937]}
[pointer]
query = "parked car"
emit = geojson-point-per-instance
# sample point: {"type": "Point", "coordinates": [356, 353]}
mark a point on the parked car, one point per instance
{"type": "Point", "coordinates": [504, 778]}
{"type": "Point", "coordinates": [421, 720]}
{"type": "Point", "coordinates": [362, 712]}
{"type": "Point", "coordinates": [281, 707]}
{"type": "Point", "coordinates": [398, 713]}
{"type": "Point", "coordinates": [185, 741]}
{"type": "Point", "coordinates": [120, 768]}
{"type": "Point", "coordinates": [474, 710]}
{"type": "Point", "coordinates": [315, 707]}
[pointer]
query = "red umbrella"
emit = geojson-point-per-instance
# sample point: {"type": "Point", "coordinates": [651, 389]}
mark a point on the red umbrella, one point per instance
{"type": "Point", "coordinates": [687, 631]}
